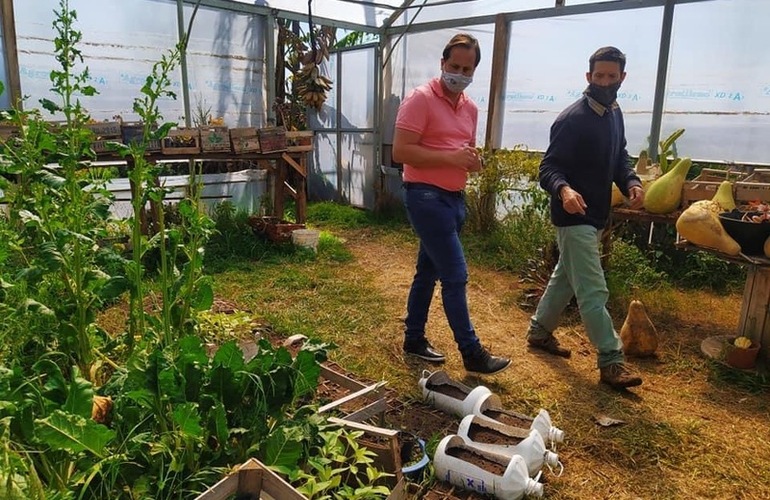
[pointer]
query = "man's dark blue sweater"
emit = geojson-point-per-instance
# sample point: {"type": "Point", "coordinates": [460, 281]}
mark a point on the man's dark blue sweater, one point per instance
{"type": "Point", "coordinates": [587, 152]}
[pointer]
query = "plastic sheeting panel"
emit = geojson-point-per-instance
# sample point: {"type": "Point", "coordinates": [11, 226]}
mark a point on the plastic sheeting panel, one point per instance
{"type": "Point", "coordinates": [358, 171]}
{"type": "Point", "coordinates": [121, 42]}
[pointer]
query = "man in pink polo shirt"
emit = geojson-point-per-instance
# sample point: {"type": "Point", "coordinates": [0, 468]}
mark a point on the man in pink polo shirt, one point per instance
{"type": "Point", "coordinates": [435, 139]}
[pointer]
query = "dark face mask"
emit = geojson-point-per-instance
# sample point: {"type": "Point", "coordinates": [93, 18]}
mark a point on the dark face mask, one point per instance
{"type": "Point", "coordinates": [604, 95]}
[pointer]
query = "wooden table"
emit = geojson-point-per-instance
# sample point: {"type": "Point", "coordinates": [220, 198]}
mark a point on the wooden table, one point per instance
{"type": "Point", "coordinates": [289, 168]}
{"type": "Point", "coordinates": [754, 320]}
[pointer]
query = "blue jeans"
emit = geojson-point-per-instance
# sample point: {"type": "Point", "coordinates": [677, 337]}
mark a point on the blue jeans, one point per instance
{"type": "Point", "coordinates": [437, 216]}
{"type": "Point", "coordinates": [579, 272]}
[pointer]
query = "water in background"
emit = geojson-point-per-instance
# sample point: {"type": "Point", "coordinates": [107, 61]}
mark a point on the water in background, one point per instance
{"type": "Point", "coordinates": [718, 137]}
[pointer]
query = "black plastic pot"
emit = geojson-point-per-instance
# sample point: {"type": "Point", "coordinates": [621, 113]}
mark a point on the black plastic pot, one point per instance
{"type": "Point", "coordinates": [751, 236]}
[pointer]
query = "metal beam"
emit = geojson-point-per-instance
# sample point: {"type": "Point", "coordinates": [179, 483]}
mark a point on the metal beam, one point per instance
{"type": "Point", "coordinates": [11, 54]}
{"type": "Point", "coordinates": [496, 108]}
{"type": "Point", "coordinates": [230, 5]}
{"type": "Point", "coordinates": [568, 10]}
{"type": "Point", "coordinates": [660, 80]}
{"type": "Point", "coordinates": [396, 14]}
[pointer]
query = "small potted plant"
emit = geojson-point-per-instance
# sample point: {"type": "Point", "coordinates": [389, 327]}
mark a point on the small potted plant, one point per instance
{"type": "Point", "coordinates": [741, 352]}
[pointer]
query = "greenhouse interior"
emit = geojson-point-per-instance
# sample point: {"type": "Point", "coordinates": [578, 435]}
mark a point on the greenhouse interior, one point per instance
{"type": "Point", "coordinates": [207, 245]}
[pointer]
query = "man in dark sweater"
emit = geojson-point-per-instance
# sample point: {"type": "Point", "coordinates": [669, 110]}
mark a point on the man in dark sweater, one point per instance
{"type": "Point", "coordinates": [587, 153]}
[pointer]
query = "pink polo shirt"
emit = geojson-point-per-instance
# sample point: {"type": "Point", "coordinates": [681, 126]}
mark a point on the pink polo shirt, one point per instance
{"type": "Point", "coordinates": [441, 125]}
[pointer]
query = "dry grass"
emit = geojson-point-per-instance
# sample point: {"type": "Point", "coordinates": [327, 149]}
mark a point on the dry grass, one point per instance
{"type": "Point", "coordinates": [693, 430]}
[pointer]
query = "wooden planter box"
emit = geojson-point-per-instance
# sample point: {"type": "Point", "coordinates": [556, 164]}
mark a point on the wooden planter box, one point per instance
{"type": "Point", "coordinates": [181, 141]}
{"type": "Point", "coordinates": [368, 399]}
{"type": "Point", "coordinates": [705, 186]}
{"type": "Point", "coordinates": [215, 139]}
{"type": "Point", "coordinates": [252, 480]}
{"type": "Point", "coordinates": [8, 131]}
{"type": "Point", "coordinates": [299, 141]}
{"type": "Point", "coordinates": [755, 187]}
{"type": "Point", "coordinates": [244, 140]}
{"type": "Point", "coordinates": [383, 442]}
{"type": "Point", "coordinates": [272, 139]}
{"type": "Point", "coordinates": [105, 130]}
{"type": "Point", "coordinates": [131, 132]}
{"type": "Point", "coordinates": [273, 228]}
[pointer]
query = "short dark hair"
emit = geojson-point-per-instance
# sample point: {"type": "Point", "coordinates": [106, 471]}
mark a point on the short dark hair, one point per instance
{"type": "Point", "coordinates": [611, 54]}
{"type": "Point", "coordinates": [462, 40]}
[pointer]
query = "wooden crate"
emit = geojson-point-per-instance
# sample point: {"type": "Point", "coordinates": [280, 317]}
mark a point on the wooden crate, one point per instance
{"type": "Point", "coordinates": [272, 139]}
{"type": "Point", "coordinates": [132, 132]}
{"type": "Point", "coordinates": [705, 186]}
{"type": "Point", "coordinates": [215, 139]}
{"type": "Point", "coordinates": [252, 480]}
{"type": "Point", "coordinates": [299, 140]}
{"type": "Point", "coordinates": [244, 140]}
{"type": "Point", "coordinates": [181, 141]}
{"type": "Point", "coordinates": [383, 442]}
{"type": "Point", "coordinates": [369, 398]}
{"type": "Point", "coordinates": [755, 187]}
{"type": "Point", "coordinates": [8, 131]}
{"type": "Point", "coordinates": [105, 130]}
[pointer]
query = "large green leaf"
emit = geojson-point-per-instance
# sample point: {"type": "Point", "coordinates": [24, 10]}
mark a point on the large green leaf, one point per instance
{"type": "Point", "coordinates": [308, 371]}
{"type": "Point", "coordinates": [283, 447]}
{"type": "Point", "coordinates": [54, 384]}
{"type": "Point", "coordinates": [80, 397]}
{"type": "Point", "coordinates": [188, 420]}
{"type": "Point", "coordinates": [204, 295]}
{"type": "Point", "coordinates": [65, 431]}
{"type": "Point", "coordinates": [229, 355]}
{"type": "Point", "coordinates": [113, 288]}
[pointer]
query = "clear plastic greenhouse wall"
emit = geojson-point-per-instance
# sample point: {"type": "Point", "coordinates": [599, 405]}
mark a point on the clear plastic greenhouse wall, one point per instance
{"type": "Point", "coordinates": [702, 65]}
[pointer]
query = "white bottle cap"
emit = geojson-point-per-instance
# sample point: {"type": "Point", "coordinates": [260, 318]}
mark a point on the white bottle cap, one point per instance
{"type": "Point", "coordinates": [533, 488]}
{"type": "Point", "coordinates": [555, 435]}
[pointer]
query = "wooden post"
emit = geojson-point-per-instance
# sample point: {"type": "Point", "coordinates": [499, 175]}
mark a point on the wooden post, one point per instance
{"type": "Point", "coordinates": [11, 53]}
{"type": "Point", "coordinates": [755, 308]}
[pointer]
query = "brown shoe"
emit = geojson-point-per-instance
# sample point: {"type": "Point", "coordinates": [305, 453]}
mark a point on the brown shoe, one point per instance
{"type": "Point", "coordinates": [550, 345]}
{"type": "Point", "coordinates": [619, 376]}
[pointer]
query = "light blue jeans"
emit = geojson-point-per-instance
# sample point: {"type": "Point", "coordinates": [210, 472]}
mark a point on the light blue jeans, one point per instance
{"type": "Point", "coordinates": [579, 273]}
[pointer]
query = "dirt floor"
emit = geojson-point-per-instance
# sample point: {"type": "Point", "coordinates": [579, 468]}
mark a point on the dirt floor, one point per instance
{"type": "Point", "coordinates": [690, 430]}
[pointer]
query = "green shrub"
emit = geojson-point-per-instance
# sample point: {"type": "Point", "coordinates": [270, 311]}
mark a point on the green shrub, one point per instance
{"type": "Point", "coordinates": [628, 269]}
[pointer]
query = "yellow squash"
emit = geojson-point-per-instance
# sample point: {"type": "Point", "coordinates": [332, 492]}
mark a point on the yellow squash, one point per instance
{"type": "Point", "coordinates": [665, 193]}
{"type": "Point", "coordinates": [724, 196]}
{"type": "Point", "coordinates": [699, 224]}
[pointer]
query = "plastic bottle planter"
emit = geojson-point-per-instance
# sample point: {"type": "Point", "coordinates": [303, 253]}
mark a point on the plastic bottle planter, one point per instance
{"type": "Point", "coordinates": [449, 396]}
{"type": "Point", "coordinates": [463, 465]}
{"type": "Point", "coordinates": [413, 456]}
{"type": "Point", "coordinates": [491, 409]}
{"type": "Point", "coordinates": [507, 441]}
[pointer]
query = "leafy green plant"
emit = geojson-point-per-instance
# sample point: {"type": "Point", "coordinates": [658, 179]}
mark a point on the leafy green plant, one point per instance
{"type": "Point", "coordinates": [61, 212]}
{"type": "Point", "coordinates": [504, 174]}
{"type": "Point", "coordinates": [338, 466]}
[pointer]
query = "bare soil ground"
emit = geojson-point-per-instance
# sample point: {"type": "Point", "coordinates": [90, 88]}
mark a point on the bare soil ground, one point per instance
{"type": "Point", "coordinates": [691, 430]}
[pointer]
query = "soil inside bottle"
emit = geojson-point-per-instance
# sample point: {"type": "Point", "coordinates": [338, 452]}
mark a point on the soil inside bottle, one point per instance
{"type": "Point", "coordinates": [508, 419]}
{"type": "Point", "coordinates": [485, 463]}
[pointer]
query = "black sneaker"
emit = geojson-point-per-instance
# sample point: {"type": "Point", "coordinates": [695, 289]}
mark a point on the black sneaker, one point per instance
{"type": "Point", "coordinates": [483, 363]}
{"type": "Point", "coordinates": [423, 350]}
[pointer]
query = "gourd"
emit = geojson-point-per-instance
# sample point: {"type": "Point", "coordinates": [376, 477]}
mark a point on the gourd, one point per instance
{"type": "Point", "coordinates": [641, 163]}
{"type": "Point", "coordinates": [724, 196]}
{"type": "Point", "coordinates": [767, 247]}
{"type": "Point", "coordinates": [638, 334]}
{"type": "Point", "coordinates": [665, 193]}
{"type": "Point", "coordinates": [699, 224]}
{"type": "Point", "coordinates": [617, 196]}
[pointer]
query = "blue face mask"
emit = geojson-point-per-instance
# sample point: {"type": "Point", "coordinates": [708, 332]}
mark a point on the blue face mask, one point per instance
{"type": "Point", "coordinates": [455, 82]}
